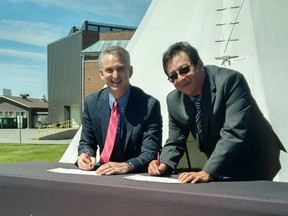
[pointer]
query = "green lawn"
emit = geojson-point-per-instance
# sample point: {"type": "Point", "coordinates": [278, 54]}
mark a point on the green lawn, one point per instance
{"type": "Point", "coordinates": [31, 152]}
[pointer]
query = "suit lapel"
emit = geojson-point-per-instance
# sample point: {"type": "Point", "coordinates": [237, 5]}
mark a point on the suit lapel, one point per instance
{"type": "Point", "coordinates": [129, 128]}
{"type": "Point", "coordinates": [207, 101]}
{"type": "Point", "coordinates": [105, 112]}
{"type": "Point", "coordinates": [130, 115]}
{"type": "Point", "coordinates": [189, 111]}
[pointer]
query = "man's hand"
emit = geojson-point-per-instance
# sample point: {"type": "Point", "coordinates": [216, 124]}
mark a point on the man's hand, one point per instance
{"type": "Point", "coordinates": [195, 177]}
{"type": "Point", "coordinates": [113, 168]}
{"type": "Point", "coordinates": [156, 169]}
{"type": "Point", "coordinates": [85, 163]}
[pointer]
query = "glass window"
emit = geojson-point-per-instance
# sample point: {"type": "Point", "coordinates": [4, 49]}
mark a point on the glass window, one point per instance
{"type": "Point", "coordinates": [105, 29]}
{"type": "Point", "coordinates": [117, 30]}
{"type": "Point", "coordinates": [93, 28]}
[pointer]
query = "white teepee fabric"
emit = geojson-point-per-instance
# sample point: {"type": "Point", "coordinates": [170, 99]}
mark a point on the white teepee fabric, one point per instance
{"type": "Point", "coordinates": [257, 32]}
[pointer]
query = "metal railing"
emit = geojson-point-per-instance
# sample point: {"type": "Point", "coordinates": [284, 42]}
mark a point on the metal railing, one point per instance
{"type": "Point", "coordinates": [45, 130]}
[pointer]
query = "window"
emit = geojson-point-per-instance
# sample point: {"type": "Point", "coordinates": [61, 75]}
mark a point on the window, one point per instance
{"type": "Point", "coordinates": [117, 30]}
{"type": "Point", "coordinates": [93, 28]}
{"type": "Point", "coordinates": [105, 29]}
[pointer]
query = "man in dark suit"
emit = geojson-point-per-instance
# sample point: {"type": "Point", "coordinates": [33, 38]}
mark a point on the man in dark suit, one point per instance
{"type": "Point", "coordinates": [230, 128]}
{"type": "Point", "coordinates": [139, 128]}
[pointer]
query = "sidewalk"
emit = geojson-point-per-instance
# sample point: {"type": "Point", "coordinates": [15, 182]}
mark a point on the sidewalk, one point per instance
{"type": "Point", "coordinates": [30, 136]}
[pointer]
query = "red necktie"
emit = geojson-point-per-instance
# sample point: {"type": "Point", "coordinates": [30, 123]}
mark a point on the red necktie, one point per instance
{"type": "Point", "coordinates": [111, 134]}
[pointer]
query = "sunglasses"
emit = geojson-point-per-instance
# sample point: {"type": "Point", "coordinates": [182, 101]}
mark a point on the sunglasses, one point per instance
{"type": "Point", "coordinates": [181, 71]}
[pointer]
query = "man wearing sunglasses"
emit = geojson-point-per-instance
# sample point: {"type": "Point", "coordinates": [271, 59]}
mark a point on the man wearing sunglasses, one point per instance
{"type": "Point", "coordinates": [215, 104]}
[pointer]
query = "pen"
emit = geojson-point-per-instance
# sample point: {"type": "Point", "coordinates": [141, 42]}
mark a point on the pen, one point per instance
{"type": "Point", "coordinates": [87, 154]}
{"type": "Point", "coordinates": [158, 159]}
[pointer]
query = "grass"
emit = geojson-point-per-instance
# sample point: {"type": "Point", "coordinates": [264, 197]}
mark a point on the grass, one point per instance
{"type": "Point", "coordinates": [31, 152]}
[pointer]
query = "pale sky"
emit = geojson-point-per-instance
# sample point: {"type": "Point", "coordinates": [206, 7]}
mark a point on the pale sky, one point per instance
{"type": "Point", "coordinates": [28, 26]}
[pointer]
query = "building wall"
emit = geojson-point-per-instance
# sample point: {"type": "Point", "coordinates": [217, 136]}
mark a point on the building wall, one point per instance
{"type": "Point", "coordinates": [92, 80]}
{"type": "Point", "coordinates": [125, 35]}
{"type": "Point", "coordinates": [13, 109]}
{"type": "Point", "coordinates": [65, 75]}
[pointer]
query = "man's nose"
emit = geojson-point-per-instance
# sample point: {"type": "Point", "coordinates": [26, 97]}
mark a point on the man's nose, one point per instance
{"type": "Point", "coordinates": [115, 74]}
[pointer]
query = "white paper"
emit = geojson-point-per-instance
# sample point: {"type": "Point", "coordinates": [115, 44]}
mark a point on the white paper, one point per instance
{"type": "Point", "coordinates": [139, 177]}
{"type": "Point", "coordinates": [72, 171]}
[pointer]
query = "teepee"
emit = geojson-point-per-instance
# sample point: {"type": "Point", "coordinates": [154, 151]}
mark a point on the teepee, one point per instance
{"type": "Point", "coordinates": [249, 36]}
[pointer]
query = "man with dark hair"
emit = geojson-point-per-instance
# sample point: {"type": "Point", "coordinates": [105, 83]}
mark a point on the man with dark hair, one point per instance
{"type": "Point", "coordinates": [215, 104]}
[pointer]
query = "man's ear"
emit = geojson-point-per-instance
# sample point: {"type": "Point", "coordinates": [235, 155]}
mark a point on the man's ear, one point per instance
{"type": "Point", "coordinates": [200, 63]}
{"type": "Point", "coordinates": [101, 74]}
{"type": "Point", "coordinates": [130, 71]}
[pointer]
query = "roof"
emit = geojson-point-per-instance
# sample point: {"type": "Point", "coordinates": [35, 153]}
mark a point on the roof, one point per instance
{"type": "Point", "coordinates": [27, 102]}
{"type": "Point", "coordinates": [99, 46]}
{"type": "Point", "coordinates": [86, 24]}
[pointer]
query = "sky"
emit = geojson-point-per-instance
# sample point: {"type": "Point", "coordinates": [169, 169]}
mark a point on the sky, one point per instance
{"type": "Point", "coordinates": [28, 26]}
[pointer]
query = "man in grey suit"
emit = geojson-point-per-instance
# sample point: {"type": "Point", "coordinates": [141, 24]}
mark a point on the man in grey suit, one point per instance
{"type": "Point", "coordinates": [227, 124]}
{"type": "Point", "coordinates": [139, 129]}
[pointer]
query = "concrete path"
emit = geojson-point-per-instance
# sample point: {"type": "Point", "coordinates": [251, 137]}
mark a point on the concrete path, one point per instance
{"type": "Point", "coordinates": [30, 136]}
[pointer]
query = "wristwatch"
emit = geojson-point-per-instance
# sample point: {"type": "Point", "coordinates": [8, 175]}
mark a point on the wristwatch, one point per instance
{"type": "Point", "coordinates": [129, 165]}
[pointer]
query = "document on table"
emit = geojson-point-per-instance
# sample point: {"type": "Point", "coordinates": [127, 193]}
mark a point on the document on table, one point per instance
{"type": "Point", "coordinates": [139, 177]}
{"type": "Point", "coordinates": [72, 171]}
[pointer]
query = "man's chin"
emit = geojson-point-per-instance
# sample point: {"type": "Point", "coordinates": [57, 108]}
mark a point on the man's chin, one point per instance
{"type": "Point", "coordinates": [115, 87]}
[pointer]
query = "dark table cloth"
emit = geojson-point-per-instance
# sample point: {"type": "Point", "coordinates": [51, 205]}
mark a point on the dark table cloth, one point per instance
{"type": "Point", "coordinates": [28, 189]}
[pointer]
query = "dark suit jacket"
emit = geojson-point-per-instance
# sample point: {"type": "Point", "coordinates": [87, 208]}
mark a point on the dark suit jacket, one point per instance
{"type": "Point", "coordinates": [142, 129]}
{"type": "Point", "coordinates": [238, 141]}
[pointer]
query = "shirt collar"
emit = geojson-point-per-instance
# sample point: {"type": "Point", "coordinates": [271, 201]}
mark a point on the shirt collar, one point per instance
{"type": "Point", "coordinates": [122, 101]}
{"type": "Point", "coordinates": [193, 98]}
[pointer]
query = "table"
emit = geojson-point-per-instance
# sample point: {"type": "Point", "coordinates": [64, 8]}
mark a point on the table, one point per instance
{"type": "Point", "coordinates": [28, 189]}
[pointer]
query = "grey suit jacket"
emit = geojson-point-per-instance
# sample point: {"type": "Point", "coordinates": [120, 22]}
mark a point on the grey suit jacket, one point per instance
{"type": "Point", "coordinates": [238, 141]}
{"type": "Point", "coordinates": [142, 128]}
